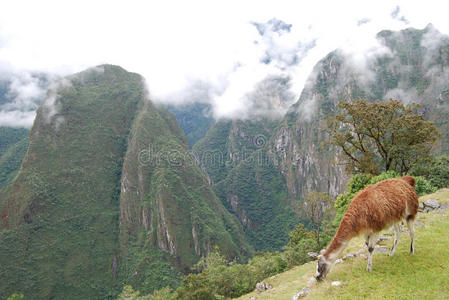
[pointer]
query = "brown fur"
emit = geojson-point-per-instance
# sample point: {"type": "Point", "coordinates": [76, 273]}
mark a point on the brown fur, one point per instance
{"type": "Point", "coordinates": [375, 208]}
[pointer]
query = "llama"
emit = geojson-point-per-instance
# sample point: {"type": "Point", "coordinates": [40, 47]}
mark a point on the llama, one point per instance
{"type": "Point", "coordinates": [374, 208]}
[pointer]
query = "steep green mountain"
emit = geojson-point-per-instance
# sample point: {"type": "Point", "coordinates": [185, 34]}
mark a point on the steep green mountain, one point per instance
{"type": "Point", "coordinates": [14, 141]}
{"type": "Point", "coordinates": [195, 119]}
{"type": "Point", "coordinates": [13, 146]}
{"type": "Point", "coordinates": [234, 155]}
{"type": "Point", "coordinates": [106, 195]}
{"type": "Point", "coordinates": [410, 65]}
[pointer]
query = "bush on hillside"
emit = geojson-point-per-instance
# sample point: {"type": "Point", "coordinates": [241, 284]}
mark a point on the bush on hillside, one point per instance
{"type": "Point", "coordinates": [436, 171]}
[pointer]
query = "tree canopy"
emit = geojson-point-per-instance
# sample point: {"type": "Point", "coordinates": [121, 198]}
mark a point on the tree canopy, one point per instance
{"type": "Point", "coordinates": [381, 136]}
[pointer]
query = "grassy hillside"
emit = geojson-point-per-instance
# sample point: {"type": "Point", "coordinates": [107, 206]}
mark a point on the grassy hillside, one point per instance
{"type": "Point", "coordinates": [424, 275]}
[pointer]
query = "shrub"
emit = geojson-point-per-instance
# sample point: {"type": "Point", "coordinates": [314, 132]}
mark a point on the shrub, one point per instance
{"type": "Point", "coordinates": [435, 170]}
{"type": "Point", "coordinates": [423, 186]}
{"type": "Point", "coordinates": [384, 176]}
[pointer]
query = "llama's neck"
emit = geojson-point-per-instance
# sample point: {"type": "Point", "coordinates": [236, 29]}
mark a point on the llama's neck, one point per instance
{"type": "Point", "coordinates": [339, 243]}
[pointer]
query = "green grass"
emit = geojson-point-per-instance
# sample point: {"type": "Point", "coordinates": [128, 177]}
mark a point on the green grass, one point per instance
{"type": "Point", "coordinates": [424, 275]}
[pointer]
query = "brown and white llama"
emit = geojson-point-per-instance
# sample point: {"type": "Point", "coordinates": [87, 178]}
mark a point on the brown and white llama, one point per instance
{"type": "Point", "coordinates": [373, 209]}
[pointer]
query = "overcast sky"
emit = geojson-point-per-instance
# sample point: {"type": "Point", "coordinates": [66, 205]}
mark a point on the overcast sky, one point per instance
{"type": "Point", "coordinates": [214, 51]}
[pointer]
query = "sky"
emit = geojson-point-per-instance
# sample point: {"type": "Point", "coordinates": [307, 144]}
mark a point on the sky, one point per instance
{"type": "Point", "coordinates": [227, 53]}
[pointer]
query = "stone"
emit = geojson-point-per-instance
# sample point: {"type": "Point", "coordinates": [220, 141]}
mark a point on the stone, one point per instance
{"type": "Point", "coordinates": [384, 238]}
{"type": "Point", "coordinates": [338, 261]}
{"type": "Point", "coordinates": [431, 203]}
{"type": "Point", "coordinates": [336, 283]}
{"type": "Point", "coordinates": [302, 293]}
{"type": "Point", "coordinates": [312, 254]}
{"type": "Point", "coordinates": [349, 255]}
{"type": "Point", "coordinates": [262, 287]}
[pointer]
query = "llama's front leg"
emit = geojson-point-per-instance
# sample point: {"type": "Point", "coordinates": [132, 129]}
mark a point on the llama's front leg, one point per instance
{"type": "Point", "coordinates": [371, 243]}
{"type": "Point", "coordinates": [397, 233]}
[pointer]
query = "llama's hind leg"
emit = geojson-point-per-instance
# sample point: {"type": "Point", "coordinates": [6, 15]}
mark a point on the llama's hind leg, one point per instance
{"type": "Point", "coordinates": [411, 229]}
{"type": "Point", "coordinates": [371, 243]}
{"type": "Point", "coordinates": [397, 233]}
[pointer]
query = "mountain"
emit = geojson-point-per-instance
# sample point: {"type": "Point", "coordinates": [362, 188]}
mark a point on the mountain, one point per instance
{"type": "Point", "coordinates": [13, 146]}
{"type": "Point", "coordinates": [195, 119]}
{"type": "Point", "coordinates": [410, 65]}
{"type": "Point", "coordinates": [233, 154]}
{"type": "Point", "coordinates": [107, 195]}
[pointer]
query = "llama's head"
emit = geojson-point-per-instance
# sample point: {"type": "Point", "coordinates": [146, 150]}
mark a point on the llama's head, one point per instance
{"type": "Point", "coordinates": [323, 267]}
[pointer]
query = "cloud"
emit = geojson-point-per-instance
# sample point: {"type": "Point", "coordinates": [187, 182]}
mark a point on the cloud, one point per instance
{"type": "Point", "coordinates": [395, 14]}
{"type": "Point", "coordinates": [271, 97]}
{"type": "Point", "coordinates": [51, 105]}
{"type": "Point", "coordinates": [215, 52]}
{"type": "Point", "coordinates": [363, 21]}
{"type": "Point", "coordinates": [17, 118]}
{"type": "Point", "coordinates": [21, 95]}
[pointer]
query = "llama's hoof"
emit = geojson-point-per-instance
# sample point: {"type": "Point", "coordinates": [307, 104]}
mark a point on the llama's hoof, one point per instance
{"type": "Point", "coordinates": [368, 269]}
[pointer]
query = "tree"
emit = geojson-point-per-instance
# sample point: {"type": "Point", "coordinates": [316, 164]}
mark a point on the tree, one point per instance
{"type": "Point", "coordinates": [317, 208]}
{"type": "Point", "coordinates": [381, 136]}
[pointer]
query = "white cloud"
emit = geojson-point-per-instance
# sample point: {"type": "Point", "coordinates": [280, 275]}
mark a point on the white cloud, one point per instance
{"type": "Point", "coordinates": [17, 118]}
{"type": "Point", "coordinates": [193, 49]}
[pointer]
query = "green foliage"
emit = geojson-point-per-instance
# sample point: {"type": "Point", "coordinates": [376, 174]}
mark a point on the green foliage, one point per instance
{"type": "Point", "coordinates": [13, 146]}
{"type": "Point", "coordinates": [234, 155]}
{"type": "Point", "coordinates": [436, 171]}
{"type": "Point", "coordinates": [220, 279]}
{"type": "Point", "coordinates": [301, 242]}
{"type": "Point", "coordinates": [318, 207]}
{"type": "Point", "coordinates": [423, 186]}
{"type": "Point", "coordinates": [163, 294]}
{"type": "Point", "coordinates": [358, 182]}
{"type": "Point", "coordinates": [384, 176]}
{"type": "Point", "coordinates": [16, 297]}
{"type": "Point", "coordinates": [381, 136]}
{"type": "Point", "coordinates": [128, 293]}
{"type": "Point", "coordinates": [194, 119]}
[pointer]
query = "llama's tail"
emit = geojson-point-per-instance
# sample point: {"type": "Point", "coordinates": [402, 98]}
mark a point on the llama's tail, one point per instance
{"type": "Point", "coordinates": [410, 180]}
